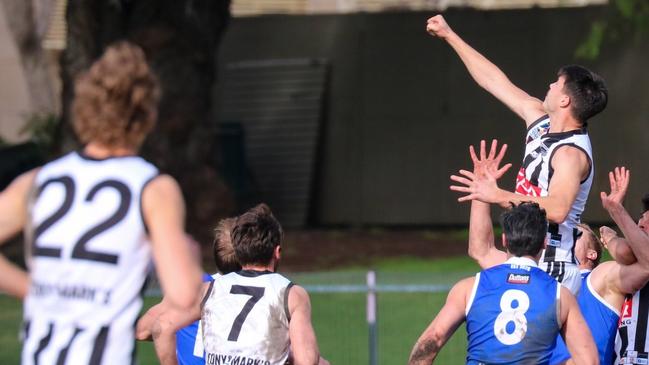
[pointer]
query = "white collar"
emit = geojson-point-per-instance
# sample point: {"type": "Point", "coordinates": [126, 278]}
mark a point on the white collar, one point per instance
{"type": "Point", "coordinates": [524, 261]}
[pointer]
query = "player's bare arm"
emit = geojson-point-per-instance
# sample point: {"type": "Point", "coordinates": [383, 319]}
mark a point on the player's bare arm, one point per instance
{"type": "Point", "coordinates": [13, 215]}
{"type": "Point", "coordinates": [443, 326]}
{"type": "Point", "coordinates": [570, 167]}
{"type": "Point", "coordinates": [575, 331]}
{"type": "Point", "coordinates": [488, 75]}
{"type": "Point", "coordinates": [636, 238]}
{"type": "Point", "coordinates": [617, 246]}
{"type": "Point", "coordinates": [481, 235]}
{"type": "Point", "coordinates": [164, 213]}
{"type": "Point", "coordinates": [304, 346]}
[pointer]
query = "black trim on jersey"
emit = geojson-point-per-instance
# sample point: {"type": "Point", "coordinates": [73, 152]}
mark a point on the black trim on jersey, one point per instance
{"type": "Point", "coordinates": [207, 294]}
{"type": "Point", "coordinates": [99, 346]}
{"type": "Point", "coordinates": [26, 327]}
{"type": "Point", "coordinates": [42, 344]}
{"type": "Point", "coordinates": [536, 122]}
{"type": "Point", "coordinates": [566, 134]}
{"type": "Point", "coordinates": [146, 183]}
{"type": "Point", "coordinates": [641, 324]}
{"type": "Point", "coordinates": [86, 157]}
{"type": "Point", "coordinates": [288, 289]}
{"type": "Point", "coordinates": [63, 354]}
{"type": "Point", "coordinates": [551, 170]}
{"type": "Point", "coordinates": [253, 273]}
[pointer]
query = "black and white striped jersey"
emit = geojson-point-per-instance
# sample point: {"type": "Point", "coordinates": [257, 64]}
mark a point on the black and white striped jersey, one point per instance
{"type": "Point", "coordinates": [88, 257]}
{"type": "Point", "coordinates": [534, 178]}
{"type": "Point", "coordinates": [631, 339]}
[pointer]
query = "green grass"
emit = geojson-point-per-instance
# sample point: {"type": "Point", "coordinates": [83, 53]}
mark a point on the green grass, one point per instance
{"type": "Point", "coordinates": [338, 318]}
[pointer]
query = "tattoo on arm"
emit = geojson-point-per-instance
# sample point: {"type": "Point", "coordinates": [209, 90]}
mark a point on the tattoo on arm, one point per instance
{"type": "Point", "coordinates": [423, 350]}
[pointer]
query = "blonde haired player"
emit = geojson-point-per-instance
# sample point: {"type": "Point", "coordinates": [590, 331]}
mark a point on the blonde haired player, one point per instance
{"type": "Point", "coordinates": [94, 219]}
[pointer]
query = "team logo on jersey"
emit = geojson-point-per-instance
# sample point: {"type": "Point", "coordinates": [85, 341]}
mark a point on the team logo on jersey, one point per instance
{"type": "Point", "coordinates": [626, 312]}
{"type": "Point", "coordinates": [538, 131]}
{"type": "Point", "coordinates": [524, 186]}
{"type": "Point", "coordinates": [518, 278]}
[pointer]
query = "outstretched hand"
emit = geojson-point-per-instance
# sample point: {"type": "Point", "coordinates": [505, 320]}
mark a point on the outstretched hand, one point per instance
{"type": "Point", "coordinates": [481, 184]}
{"type": "Point", "coordinates": [437, 27]}
{"type": "Point", "coordinates": [619, 181]}
{"type": "Point", "coordinates": [606, 234]}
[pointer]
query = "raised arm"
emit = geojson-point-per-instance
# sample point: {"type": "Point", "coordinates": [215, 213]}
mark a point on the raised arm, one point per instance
{"type": "Point", "coordinates": [164, 213]}
{"type": "Point", "coordinates": [443, 326]}
{"type": "Point", "coordinates": [481, 236]}
{"type": "Point", "coordinates": [618, 248]}
{"type": "Point", "coordinates": [575, 331]}
{"type": "Point", "coordinates": [569, 164]}
{"type": "Point", "coordinates": [13, 216]}
{"type": "Point", "coordinates": [636, 238]}
{"type": "Point", "coordinates": [304, 345]}
{"type": "Point", "coordinates": [488, 75]}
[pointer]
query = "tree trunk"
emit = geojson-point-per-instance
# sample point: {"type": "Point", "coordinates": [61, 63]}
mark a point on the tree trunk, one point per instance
{"type": "Point", "coordinates": [180, 38]}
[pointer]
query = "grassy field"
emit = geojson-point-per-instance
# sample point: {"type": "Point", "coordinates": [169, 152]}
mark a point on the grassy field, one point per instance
{"type": "Point", "coordinates": [338, 318]}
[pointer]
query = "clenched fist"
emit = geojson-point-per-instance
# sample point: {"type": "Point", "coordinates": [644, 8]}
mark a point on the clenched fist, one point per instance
{"type": "Point", "coordinates": [438, 27]}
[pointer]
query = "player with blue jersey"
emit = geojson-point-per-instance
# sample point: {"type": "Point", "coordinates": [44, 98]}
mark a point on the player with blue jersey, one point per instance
{"type": "Point", "coordinates": [189, 341]}
{"type": "Point", "coordinates": [514, 311]}
{"type": "Point", "coordinates": [604, 286]}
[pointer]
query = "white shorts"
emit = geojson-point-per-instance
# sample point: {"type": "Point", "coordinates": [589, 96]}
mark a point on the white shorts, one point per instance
{"type": "Point", "coordinates": [566, 273]}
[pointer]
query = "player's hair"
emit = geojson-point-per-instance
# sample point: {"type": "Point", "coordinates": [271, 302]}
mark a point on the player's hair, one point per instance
{"type": "Point", "coordinates": [592, 242]}
{"type": "Point", "coordinates": [645, 203]}
{"type": "Point", "coordinates": [587, 90]}
{"type": "Point", "coordinates": [525, 227]}
{"type": "Point", "coordinates": [224, 255]}
{"type": "Point", "coordinates": [255, 235]}
{"type": "Point", "coordinates": [116, 100]}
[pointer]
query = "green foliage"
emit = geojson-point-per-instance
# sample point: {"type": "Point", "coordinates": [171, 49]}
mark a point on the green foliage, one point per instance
{"type": "Point", "coordinates": [41, 129]}
{"type": "Point", "coordinates": [623, 19]}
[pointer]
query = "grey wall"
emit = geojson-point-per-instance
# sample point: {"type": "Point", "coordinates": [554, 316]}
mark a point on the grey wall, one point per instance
{"type": "Point", "coordinates": [402, 109]}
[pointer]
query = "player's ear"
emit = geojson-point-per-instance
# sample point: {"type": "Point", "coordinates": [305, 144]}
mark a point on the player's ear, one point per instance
{"type": "Point", "coordinates": [278, 252]}
{"type": "Point", "coordinates": [565, 101]}
{"type": "Point", "coordinates": [591, 254]}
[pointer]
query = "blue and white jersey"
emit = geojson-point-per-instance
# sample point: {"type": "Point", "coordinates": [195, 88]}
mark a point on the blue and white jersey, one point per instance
{"type": "Point", "coordinates": [189, 343]}
{"type": "Point", "coordinates": [512, 315]}
{"type": "Point", "coordinates": [602, 320]}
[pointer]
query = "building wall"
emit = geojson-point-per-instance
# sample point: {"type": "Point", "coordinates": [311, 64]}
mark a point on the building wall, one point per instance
{"type": "Point", "coordinates": [14, 97]}
{"type": "Point", "coordinates": [402, 109]}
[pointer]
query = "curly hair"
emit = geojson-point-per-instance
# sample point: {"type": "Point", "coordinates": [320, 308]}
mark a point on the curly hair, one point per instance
{"type": "Point", "coordinates": [224, 255]}
{"type": "Point", "coordinates": [116, 100]}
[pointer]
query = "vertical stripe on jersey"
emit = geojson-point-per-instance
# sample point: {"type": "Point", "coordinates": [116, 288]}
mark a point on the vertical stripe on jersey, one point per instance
{"type": "Point", "coordinates": [64, 353]}
{"type": "Point", "coordinates": [42, 344]}
{"type": "Point", "coordinates": [551, 251]}
{"type": "Point", "coordinates": [25, 334]}
{"type": "Point", "coordinates": [100, 345]}
{"type": "Point", "coordinates": [624, 337]}
{"type": "Point", "coordinates": [643, 315]}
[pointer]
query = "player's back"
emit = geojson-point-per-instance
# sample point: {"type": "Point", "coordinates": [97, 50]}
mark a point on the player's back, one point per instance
{"type": "Point", "coordinates": [602, 320]}
{"type": "Point", "coordinates": [245, 318]}
{"type": "Point", "coordinates": [512, 315]}
{"type": "Point", "coordinates": [88, 260]}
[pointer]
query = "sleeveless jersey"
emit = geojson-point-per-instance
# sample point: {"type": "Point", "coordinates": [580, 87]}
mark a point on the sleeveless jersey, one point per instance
{"type": "Point", "coordinates": [631, 340]}
{"type": "Point", "coordinates": [534, 178]}
{"type": "Point", "coordinates": [245, 319]}
{"type": "Point", "coordinates": [88, 258]}
{"type": "Point", "coordinates": [512, 315]}
{"type": "Point", "coordinates": [189, 340]}
{"type": "Point", "coordinates": [602, 320]}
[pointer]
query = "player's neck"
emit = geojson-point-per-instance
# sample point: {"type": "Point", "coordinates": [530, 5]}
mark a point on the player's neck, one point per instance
{"type": "Point", "coordinates": [269, 267]}
{"type": "Point", "coordinates": [96, 150]}
{"type": "Point", "coordinates": [563, 121]}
